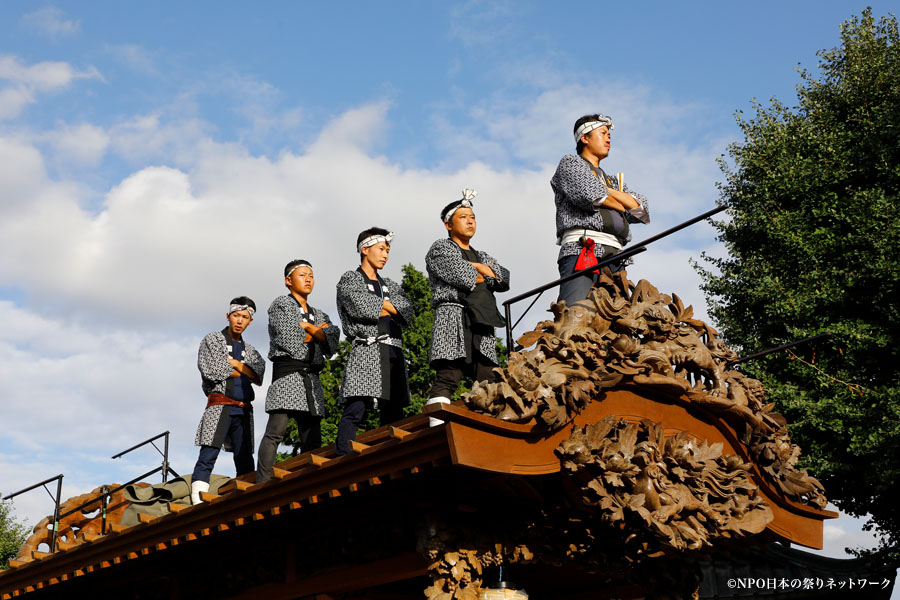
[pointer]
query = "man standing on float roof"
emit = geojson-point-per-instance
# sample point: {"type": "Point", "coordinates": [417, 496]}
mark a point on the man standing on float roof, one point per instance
{"type": "Point", "coordinates": [463, 282]}
{"type": "Point", "coordinates": [300, 338]}
{"type": "Point", "coordinates": [593, 210]}
{"type": "Point", "coordinates": [373, 313]}
{"type": "Point", "coordinates": [228, 366]}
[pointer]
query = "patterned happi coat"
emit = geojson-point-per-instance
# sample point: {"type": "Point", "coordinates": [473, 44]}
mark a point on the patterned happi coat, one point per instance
{"type": "Point", "coordinates": [451, 276]}
{"type": "Point", "coordinates": [215, 371]}
{"type": "Point", "coordinates": [576, 187]}
{"type": "Point", "coordinates": [359, 310]}
{"type": "Point", "coordinates": [286, 341]}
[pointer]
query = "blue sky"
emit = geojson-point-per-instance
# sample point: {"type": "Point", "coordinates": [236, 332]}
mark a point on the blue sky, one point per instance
{"type": "Point", "coordinates": [157, 159]}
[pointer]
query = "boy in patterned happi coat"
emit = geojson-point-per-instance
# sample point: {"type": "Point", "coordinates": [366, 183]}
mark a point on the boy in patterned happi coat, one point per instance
{"type": "Point", "coordinates": [373, 313]}
{"type": "Point", "coordinates": [463, 282]}
{"type": "Point", "coordinates": [592, 213]}
{"type": "Point", "coordinates": [228, 366]}
{"type": "Point", "coordinates": [300, 338]}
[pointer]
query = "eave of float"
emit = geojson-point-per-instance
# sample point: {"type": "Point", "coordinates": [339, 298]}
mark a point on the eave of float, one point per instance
{"type": "Point", "coordinates": [406, 448]}
{"type": "Point", "coordinates": [529, 450]}
{"type": "Point", "coordinates": [304, 481]}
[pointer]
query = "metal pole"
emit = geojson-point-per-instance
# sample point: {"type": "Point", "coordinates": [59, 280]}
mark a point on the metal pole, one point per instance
{"type": "Point", "coordinates": [821, 336]}
{"type": "Point", "coordinates": [136, 446]}
{"type": "Point", "coordinates": [165, 463]}
{"type": "Point", "coordinates": [508, 312]}
{"type": "Point", "coordinates": [104, 503]}
{"type": "Point", "coordinates": [56, 515]}
{"type": "Point", "coordinates": [56, 498]}
{"type": "Point", "coordinates": [635, 249]}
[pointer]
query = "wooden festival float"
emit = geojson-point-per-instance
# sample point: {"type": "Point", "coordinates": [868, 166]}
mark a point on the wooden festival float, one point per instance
{"type": "Point", "coordinates": [618, 452]}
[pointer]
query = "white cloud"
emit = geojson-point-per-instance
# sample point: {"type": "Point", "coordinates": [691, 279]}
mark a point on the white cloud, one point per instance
{"type": "Point", "coordinates": [83, 144]}
{"type": "Point", "coordinates": [25, 81]}
{"type": "Point", "coordinates": [51, 21]}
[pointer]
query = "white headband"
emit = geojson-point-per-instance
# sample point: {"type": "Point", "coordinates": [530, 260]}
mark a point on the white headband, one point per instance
{"type": "Point", "coordinates": [592, 125]}
{"type": "Point", "coordinates": [374, 239]}
{"type": "Point", "coordinates": [302, 263]}
{"type": "Point", "coordinates": [237, 307]}
{"type": "Point", "coordinates": [465, 202]}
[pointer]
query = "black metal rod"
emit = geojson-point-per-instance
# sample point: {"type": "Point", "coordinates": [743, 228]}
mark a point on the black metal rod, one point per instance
{"type": "Point", "coordinates": [635, 249]}
{"type": "Point", "coordinates": [56, 499]}
{"type": "Point", "coordinates": [536, 298]}
{"type": "Point", "coordinates": [56, 516]}
{"type": "Point", "coordinates": [821, 336]}
{"type": "Point", "coordinates": [110, 492]}
{"type": "Point", "coordinates": [507, 311]}
{"type": "Point", "coordinates": [165, 462]}
{"type": "Point", "coordinates": [540, 290]}
{"type": "Point", "coordinates": [145, 442]}
{"type": "Point", "coordinates": [29, 488]}
{"type": "Point", "coordinates": [104, 504]}
{"type": "Point", "coordinates": [588, 271]}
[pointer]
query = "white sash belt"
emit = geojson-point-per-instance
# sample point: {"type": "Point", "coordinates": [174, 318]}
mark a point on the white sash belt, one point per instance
{"type": "Point", "coordinates": [576, 233]}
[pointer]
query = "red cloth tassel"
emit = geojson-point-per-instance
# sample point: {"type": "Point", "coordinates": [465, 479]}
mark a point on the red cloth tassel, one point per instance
{"type": "Point", "coordinates": [586, 258]}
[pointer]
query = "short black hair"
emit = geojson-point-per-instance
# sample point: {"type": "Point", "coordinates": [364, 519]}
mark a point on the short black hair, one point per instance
{"type": "Point", "coordinates": [579, 145]}
{"type": "Point", "coordinates": [244, 301]}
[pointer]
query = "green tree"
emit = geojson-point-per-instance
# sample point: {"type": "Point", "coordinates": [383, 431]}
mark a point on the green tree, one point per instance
{"type": "Point", "coordinates": [12, 534]}
{"type": "Point", "coordinates": [812, 241]}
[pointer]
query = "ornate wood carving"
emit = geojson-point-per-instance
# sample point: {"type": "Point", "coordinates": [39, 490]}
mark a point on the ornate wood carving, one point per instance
{"type": "Point", "coordinates": [72, 526]}
{"type": "Point", "coordinates": [632, 333]}
{"type": "Point", "coordinates": [669, 493]}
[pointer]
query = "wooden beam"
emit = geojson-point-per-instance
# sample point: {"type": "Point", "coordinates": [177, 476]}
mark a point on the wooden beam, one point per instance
{"type": "Point", "coordinates": [207, 497]}
{"type": "Point", "coordinates": [315, 460]}
{"type": "Point", "coordinates": [91, 537]}
{"type": "Point", "coordinates": [15, 564]}
{"type": "Point", "coordinates": [118, 527]}
{"type": "Point", "coordinates": [397, 433]}
{"type": "Point", "coordinates": [145, 518]}
{"type": "Point", "coordinates": [279, 473]}
{"type": "Point", "coordinates": [242, 485]}
{"type": "Point", "coordinates": [173, 507]}
{"type": "Point", "coordinates": [357, 447]}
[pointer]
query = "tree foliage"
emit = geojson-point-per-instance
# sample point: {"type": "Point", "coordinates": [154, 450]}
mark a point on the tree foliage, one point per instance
{"type": "Point", "coordinates": [812, 241]}
{"type": "Point", "coordinates": [12, 534]}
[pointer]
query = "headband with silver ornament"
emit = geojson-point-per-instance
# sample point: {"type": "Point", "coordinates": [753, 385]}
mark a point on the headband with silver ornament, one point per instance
{"type": "Point", "coordinates": [464, 202]}
{"type": "Point", "coordinates": [592, 125]}
{"type": "Point", "coordinates": [236, 307]}
{"type": "Point", "coordinates": [374, 239]}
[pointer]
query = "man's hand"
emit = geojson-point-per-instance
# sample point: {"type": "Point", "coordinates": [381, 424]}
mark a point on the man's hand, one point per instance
{"type": "Point", "coordinates": [242, 369]}
{"type": "Point", "coordinates": [624, 201]}
{"type": "Point", "coordinates": [313, 332]}
{"type": "Point", "coordinates": [387, 309]}
{"type": "Point", "coordinates": [483, 271]}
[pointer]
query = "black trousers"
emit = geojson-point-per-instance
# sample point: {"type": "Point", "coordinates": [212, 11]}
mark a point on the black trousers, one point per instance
{"type": "Point", "coordinates": [355, 410]}
{"type": "Point", "coordinates": [310, 429]}
{"type": "Point", "coordinates": [451, 372]}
